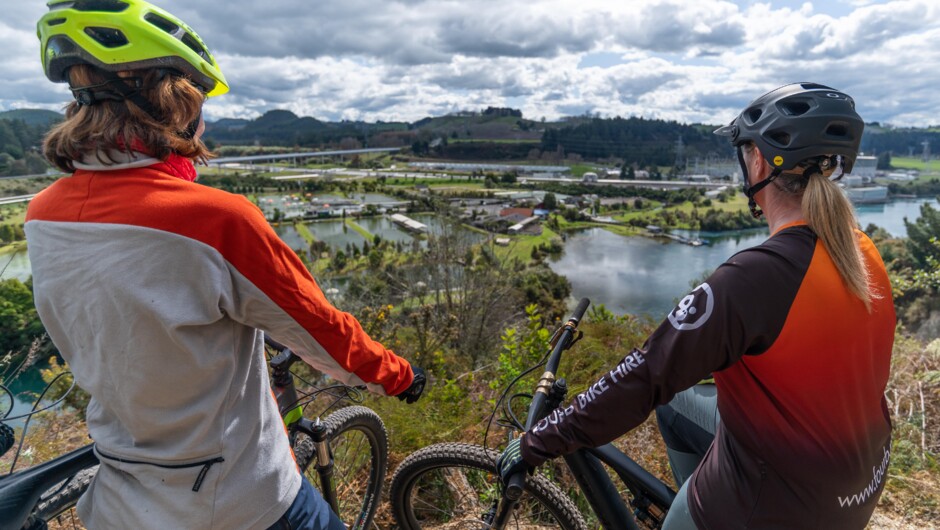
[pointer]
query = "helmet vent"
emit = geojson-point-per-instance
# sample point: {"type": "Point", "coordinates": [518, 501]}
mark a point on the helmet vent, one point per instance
{"type": "Point", "coordinates": [60, 5]}
{"type": "Point", "coordinates": [55, 22]}
{"type": "Point", "coordinates": [194, 45]}
{"type": "Point", "coordinates": [753, 114]}
{"type": "Point", "coordinates": [107, 6]}
{"type": "Point", "coordinates": [838, 130]}
{"type": "Point", "coordinates": [780, 138]}
{"type": "Point", "coordinates": [814, 86]}
{"type": "Point", "coordinates": [107, 37]}
{"type": "Point", "coordinates": [161, 23]}
{"type": "Point", "coordinates": [794, 108]}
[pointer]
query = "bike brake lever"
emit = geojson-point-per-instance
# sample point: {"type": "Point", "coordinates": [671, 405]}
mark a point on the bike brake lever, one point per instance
{"type": "Point", "coordinates": [575, 341]}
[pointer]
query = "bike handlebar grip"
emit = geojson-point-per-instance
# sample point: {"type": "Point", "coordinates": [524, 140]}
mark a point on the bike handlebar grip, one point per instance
{"type": "Point", "coordinates": [515, 485]}
{"type": "Point", "coordinates": [579, 311]}
{"type": "Point", "coordinates": [273, 343]}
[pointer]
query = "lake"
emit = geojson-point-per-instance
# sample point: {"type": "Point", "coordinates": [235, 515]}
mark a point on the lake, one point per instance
{"type": "Point", "coordinates": [638, 275]}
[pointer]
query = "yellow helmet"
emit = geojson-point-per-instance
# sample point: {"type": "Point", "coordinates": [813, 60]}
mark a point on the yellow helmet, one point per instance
{"type": "Point", "coordinates": [116, 35]}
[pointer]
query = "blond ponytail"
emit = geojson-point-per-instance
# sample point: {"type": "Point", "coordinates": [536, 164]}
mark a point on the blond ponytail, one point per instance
{"type": "Point", "coordinates": [829, 213]}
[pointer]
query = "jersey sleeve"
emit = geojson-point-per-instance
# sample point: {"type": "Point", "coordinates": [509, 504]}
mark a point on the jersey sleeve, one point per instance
{"type": "Point", "coordinates": [738, 310]}
{"type": "Point", "coordinates": [272, 290]}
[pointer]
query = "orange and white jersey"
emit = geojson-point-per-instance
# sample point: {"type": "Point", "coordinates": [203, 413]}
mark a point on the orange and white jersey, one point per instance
{"type": "Point", "coordinates": [154, 290]}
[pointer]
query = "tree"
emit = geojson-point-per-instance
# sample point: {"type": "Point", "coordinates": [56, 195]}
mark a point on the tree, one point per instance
{"type": "Point", "coordinates": [339, 260]}
{"type": "Point", "coordinates": [508, 177]}
{"type": "Point", "coordinates": [19, 322]}
{"type": "Point", "coordinates": [920, 234]}
{"type": "Point", "coordinates": [6, 162]}
{"type": "Point", "coordinates": [6, 234]}
{"type": "Point", "coordinates": [884, 160]}
{"type": "Point", "coordinates": [550, 202]}
{"type": "Point", "coordinates": [375, 258]}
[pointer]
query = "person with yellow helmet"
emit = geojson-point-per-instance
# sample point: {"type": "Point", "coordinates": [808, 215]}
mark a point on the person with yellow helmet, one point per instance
{"type": "Point", "coordinates": [155, 288]}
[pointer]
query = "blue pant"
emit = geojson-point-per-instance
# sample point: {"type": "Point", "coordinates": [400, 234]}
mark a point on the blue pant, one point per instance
{"type": "Point", "coordinates": [308, 512]}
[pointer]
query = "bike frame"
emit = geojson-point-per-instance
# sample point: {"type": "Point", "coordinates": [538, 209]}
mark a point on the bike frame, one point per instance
{"type": "Point", "coordinates": [291, 409]}
{"type": "Point", "coordinates": [651, 498]}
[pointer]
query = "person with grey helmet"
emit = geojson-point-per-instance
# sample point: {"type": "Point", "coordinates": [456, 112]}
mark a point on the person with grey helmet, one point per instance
{"type": "Point", "coordinates": [797, 333]}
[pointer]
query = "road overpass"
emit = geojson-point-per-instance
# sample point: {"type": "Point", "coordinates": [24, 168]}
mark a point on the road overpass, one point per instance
{"type": "Point", "coordinates": [16, 199]}
{"type": "Point", "coordinates": [297, 157]}
{"type": "Point", "coordinates": [661, 184]}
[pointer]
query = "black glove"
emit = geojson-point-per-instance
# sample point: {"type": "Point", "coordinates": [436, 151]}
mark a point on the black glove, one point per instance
{"type": "Point", "coordinates": [417, 386]}
{"type": "Point", "coordinates": [510, 462]}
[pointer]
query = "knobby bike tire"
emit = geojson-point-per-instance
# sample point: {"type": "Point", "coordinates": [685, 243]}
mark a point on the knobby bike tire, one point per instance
{"type": "Point", "coordinates": [449, 486]}
{"type": "Point", "coordinates": [359, 444]}
{"type": "Point", "coordinates": [56, 506]}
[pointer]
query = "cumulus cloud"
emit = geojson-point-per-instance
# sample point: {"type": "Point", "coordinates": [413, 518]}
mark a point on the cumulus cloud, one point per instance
{"type": "Point", "coordinates": [689, 60]}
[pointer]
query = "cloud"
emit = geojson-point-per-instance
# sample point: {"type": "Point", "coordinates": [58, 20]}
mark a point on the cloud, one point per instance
{"type": "Point", "coordinates": [693, 61]}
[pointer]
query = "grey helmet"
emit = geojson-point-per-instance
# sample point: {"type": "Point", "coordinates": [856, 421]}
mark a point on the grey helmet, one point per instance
{"type": "Point", "coordinates": [798, 125]}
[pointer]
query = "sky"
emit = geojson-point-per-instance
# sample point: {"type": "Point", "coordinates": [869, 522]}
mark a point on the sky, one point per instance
{"type": "Point", "coordinates": [693, 61]}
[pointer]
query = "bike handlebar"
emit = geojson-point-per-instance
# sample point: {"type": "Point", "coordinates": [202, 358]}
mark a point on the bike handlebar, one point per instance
{"type": "Point", "coordinates": [273, 343]}
{"type": "Point", "coordinates": [579, 310]}
{"type": "Point", "coordinates": [515, 483]}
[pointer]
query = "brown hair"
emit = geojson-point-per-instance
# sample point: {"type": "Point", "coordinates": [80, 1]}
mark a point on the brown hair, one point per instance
{"type": "Point", "coordinates": [119, 125]}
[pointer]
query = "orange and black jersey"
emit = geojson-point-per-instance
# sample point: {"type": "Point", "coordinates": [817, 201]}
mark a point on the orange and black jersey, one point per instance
{"type": "Point", "coordinates": [801, 367]}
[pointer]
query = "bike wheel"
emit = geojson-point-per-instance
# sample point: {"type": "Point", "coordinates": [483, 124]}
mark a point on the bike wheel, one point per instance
{"type": "Point", "coordinates": [449, 486]}
{"type": "Point", "coordinates": [57, 506]}
{"type": "Point", "coordinates": [359, 445]}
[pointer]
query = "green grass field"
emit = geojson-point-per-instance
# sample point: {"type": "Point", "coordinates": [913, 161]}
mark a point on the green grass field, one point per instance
{"type": "Point", "coordinates": [359, 229]}
{"type": "Point", "coordinates": [903, 162]}
{"type": "Point", "coordinates": [14, 214]}
{"type": "Point", "coordinates": [520, 246]}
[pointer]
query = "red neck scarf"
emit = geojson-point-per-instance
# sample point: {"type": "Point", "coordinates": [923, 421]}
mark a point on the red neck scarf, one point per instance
{"type": "Point", "coordinates": [178, 166]}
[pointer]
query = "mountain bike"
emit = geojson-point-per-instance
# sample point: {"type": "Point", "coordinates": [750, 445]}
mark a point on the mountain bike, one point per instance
{"type": "Point", "coordinates": [457, 486]}
{"type": "Point", "coordinates": [344, 455]}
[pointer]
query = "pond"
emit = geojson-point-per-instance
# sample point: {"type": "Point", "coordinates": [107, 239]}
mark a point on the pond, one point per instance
{"type": "Point", "coordinates": [15, 265]}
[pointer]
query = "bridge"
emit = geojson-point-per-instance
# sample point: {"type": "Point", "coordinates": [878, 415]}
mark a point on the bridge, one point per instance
{"type": "Point", "coordinates": [296, 157]}
{"type": "Point", "coordinates": [16, 199]}
{"type": "Point", "coordinates": [662, 184]}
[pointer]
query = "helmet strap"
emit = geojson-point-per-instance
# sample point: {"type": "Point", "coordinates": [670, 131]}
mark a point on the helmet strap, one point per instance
{"type": "Point", "coordinates": [191, 129]}
{"type": "Point", "coordinates": [751, 191]}
{"type": "Point", "coordinates": [114, 88]}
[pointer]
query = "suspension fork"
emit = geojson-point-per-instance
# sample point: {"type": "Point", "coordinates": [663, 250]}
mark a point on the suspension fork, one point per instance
{"type": "Point", "coordinates": [556, 394]}
{"type": "Point", "coordinates": [318, 432]}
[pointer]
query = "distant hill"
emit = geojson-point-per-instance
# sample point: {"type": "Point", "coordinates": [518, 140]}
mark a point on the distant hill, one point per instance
{"type": "Point", "coordinates": [40, 117]}
{"type": "Point", "coordinates": [229, 124]}
{"type": "Point", "coordinates": [636, 140]}
{"type": "Point", "coordinates": [899, 141]}
{"type": "Point", "coordinates": [491, 124]}
{"type": "Point", "coordinates": [282, 127]}
{"type": "Point", "coordinates": [505, 134]}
